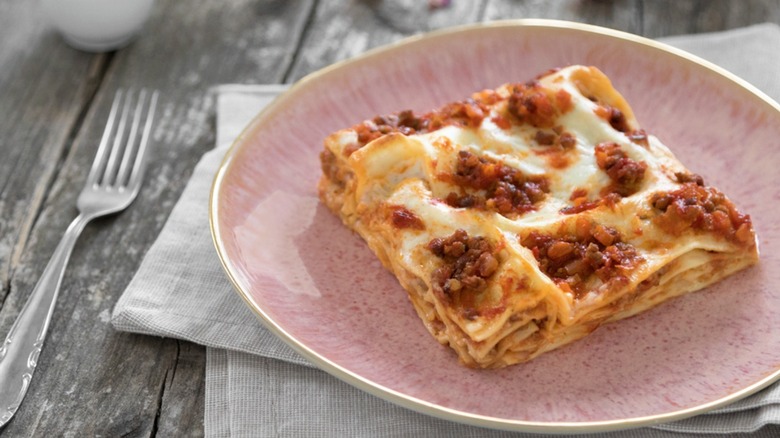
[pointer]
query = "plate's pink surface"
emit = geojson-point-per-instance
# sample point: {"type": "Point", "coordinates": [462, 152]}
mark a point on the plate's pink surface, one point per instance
{"type": "Point", "coordinates": [318, 283]}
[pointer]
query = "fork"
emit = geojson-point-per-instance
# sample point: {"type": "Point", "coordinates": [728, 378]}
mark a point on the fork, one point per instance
{"type": "Point", "coordinates": [112, 184]}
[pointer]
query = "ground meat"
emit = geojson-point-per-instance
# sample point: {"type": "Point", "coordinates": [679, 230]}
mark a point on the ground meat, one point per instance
{"type": "Point", "coordinates": [557, 144]}
{"type": "Point", "coordinates": [487, 97]}
{"type": "Point", "coordinates": [544, 138]}
{"type": "Point", "coordinates": [467, 264]}
{"type": "Point", "coordinates": [581, 203]}
{"type": "Point", "coordinates": [563, 101]}
{"type": "Point", "coordinates": [557, 138]}
{"type": "Point", "coordinates": [330, 167]}
{"type": "Point", "coordinates": [532, 103]}
{"type": "Point", "coordinates": [684, 177]}
{"type": "Point", "coordinates": [501, 122]}
{"type": "Point", "coordinates": [404, 122]}
{"type": "Point", "coordinates": [701, 208]}
{"type": "Point", "coordinates": [573, 260]}
{"type": "Point", "coordinates": [614, 116]}
{"type": "Point", "coordinates": [567, 140]}
{"type": "Point", "coordinates": [466, 113]}
{"type": "Point", "coordinates": [402, 218]}
{"type": "Point", "coordinates": [639, 137]}
{"type": "Point", "coordinates": [625, 173]}
{"type": "Point", "coordinates": [529, 102]}
{"type": "Point", "coordinates": [506, 189]}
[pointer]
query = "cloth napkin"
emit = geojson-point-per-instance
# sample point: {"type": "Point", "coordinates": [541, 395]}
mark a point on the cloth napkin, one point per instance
{"type": "Point", "coordinates": [258, 386]}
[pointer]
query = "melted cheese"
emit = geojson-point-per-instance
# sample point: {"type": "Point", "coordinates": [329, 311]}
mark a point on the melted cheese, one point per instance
{"type": "Point", "coordinates": [409, 171]}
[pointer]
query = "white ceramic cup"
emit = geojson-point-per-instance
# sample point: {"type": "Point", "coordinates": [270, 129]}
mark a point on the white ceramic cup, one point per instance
{"type": "Point", "coordinates": [98, 25]}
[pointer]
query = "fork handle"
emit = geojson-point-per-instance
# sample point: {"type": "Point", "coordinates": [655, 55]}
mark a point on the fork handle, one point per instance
{"type": "Point", "coordinates": [19, 353]}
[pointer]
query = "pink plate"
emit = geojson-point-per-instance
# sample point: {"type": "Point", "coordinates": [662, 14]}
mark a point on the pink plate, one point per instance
{"type": "Point", "coordinates": [319, 288]}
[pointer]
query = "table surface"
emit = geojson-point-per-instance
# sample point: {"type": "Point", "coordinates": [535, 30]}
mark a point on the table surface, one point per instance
{"type": "Point", "coordinates": [92, 380]}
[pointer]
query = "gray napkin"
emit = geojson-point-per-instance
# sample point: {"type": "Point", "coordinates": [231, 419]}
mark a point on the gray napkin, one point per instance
{"type": "Point", "coordinates": [258, 386]}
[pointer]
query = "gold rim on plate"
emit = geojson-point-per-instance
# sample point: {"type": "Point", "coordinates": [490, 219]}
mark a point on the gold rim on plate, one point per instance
{"type": "Point", "coordinates": [414, 403]}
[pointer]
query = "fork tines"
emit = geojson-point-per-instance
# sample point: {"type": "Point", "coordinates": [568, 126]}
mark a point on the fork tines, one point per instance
{"type": "Point", "coordinates": [119, 159]}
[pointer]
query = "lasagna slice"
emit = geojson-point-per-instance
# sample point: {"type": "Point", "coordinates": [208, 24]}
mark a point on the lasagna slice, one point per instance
{"type": "Point", "coordinates": [524, 217]}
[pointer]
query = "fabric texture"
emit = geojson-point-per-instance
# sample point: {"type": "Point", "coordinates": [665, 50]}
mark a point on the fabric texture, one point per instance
{"type": "Point", "coordinates": [258, 386]}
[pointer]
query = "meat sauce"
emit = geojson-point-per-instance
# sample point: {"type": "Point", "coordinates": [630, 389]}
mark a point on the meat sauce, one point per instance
{"type": "Point", "coordinates": [696, 206]}
{"type": "Point", "coordinates": [528, 103]}
{"type": "Point", "coordinates": [626, 176]}
{"type": "Point", "coordinates": [580, 202]}
{"type": "Point", "coordinates": [619, 122]}
{"type": "Point", "coordinates": [556, 146]}
{"type": "Point", "coordinates": [403, 218]}
{"type": "Point", "coordinates": [625, 173]}
{"type": "Point", "coordinates": [506, 190]}
{"type": "Point", "coordinates": [573, 260]}
{"type": "Point", "coordinates": [467, 113]}
{"type": "Point", "coordinates": [614, 116]}
{"type": "Point", "coordinates": [331, 169]}
{"type": "Point", "coordinates": [639, 137]}
{"type": "Point", "coordinates": [532, 103]}
{"type": "Point", "coordinates": [468, 262]}
{"type": "Point", "coordinates": [558, 138]}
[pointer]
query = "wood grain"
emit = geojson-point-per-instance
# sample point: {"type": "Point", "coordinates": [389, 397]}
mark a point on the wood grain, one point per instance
{"type": "Point", "coordinates": [37, 123]}
{"type": "Point", "coordinates": [92, 380]}
{"type": "Point", "coordinates": [616, 14]}
{"type": "Point", "coordinates": [670, 17]}
{"type": "Point", "coordinates": [182, 399]}
{"type": "Point", "coordinates": [343, 29]}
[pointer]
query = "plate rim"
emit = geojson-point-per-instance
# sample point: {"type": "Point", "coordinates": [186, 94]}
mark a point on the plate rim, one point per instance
{"type": "Point", "coordinates": [414, 403]}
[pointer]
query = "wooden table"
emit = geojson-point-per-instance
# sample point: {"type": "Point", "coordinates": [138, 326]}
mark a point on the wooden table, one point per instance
{"type": "Point", "coordinates": [95, 381]}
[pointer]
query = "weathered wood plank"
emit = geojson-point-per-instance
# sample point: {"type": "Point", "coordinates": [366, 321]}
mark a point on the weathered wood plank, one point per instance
{"type": "Point", "coordinates": [671, 17]}
{"type": "Point", "coordinates": [43, 89]}
{"type": "Point", "coordinates": [343, 29]}
{"type": "Point", "coordinates": [182, 408]}
{"type": "Point", "coordinates": [652, 18]}
{"type": "Point", "coordinates": [619, 14]}
{"type": "Point", "coordinates": [92, 380]}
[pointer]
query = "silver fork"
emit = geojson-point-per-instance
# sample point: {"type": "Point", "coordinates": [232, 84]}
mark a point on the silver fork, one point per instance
{"type": "Point", "coordinates": [112, 184]}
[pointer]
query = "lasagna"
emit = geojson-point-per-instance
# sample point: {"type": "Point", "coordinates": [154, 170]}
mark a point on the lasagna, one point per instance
{"type": "Point", "coordinates": [523, 218]}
